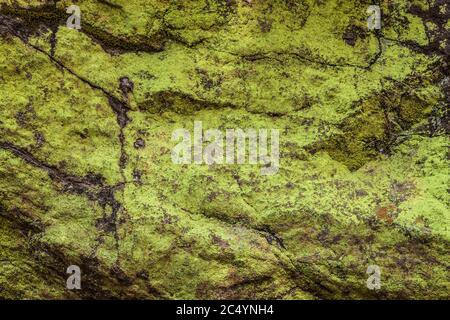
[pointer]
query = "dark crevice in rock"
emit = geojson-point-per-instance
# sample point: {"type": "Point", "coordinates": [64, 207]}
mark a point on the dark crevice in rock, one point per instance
{"type": "Point", "coordinates": [269, 235]}
{"type": "Point", "coordinates": [94, 279]}
{"type": "Point", "coordinates": [33, 21]}
{"type": "Point", "coordinates": [37, 260]}
{"type": "Point", "coordinates": [188, 104]}
{"type": "Point", "coordinates": [53, 257]}
{"type": "Point", "coordinates": [92, 186]}
{"type": "Point", "coordinates": [437, 35]}
{"type": "Point", "coordinates": [105, 196]}
{"type": "Point", "coordinates": [74, 184]}
{"type": "Point", "coordinates": [272, 237]}
{"type": "Point", "coordinates": [13, 26]}
{"type": "Point", "coordinates": [306, 56]}
{"type": "Point", "coordinates": [170, 100]}
{"type": "Point", "coordinates": [110, 4]}
{"type": "Point", "coordinates": [24, 221]}
{"type": "Point", "coordinates": [352, 33]}
{"type": "Point", "coordinates": [110, 96]}
{"type": "Point", "coordinates": [109, 223]}
{"type": "Point", "coordinates": [439, 18]}
{"type": "Point", "coordinates": [50, 17]}
{"type": "Point", "coordinates": [53, 40]}
{"type": "Point", "coordinates": [120, 109]}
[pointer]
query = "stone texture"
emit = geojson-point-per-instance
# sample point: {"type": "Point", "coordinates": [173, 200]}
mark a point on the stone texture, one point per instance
{"type": "Point", "coordinates": [86, 176]}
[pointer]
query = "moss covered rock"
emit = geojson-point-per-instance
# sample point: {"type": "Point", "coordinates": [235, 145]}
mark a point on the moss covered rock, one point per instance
{"type": "Point", "coordinates": [87, 179]}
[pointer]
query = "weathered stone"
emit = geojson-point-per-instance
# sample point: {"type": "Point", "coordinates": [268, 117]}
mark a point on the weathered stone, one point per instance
{"type": "Point", "coordinates": [86, 176]}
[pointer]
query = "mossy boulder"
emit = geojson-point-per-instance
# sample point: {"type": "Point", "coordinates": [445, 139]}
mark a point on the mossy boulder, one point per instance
{"type": "Point", "coordinates": [87, 179]}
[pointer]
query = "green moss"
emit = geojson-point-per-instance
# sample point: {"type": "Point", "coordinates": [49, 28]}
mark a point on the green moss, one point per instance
{"type": "Point", "coordinates": [21, 276]}
{"type": "Point", "coordinates": [55, 114]}
{"type": "Point", "coordinates": [363, 177]}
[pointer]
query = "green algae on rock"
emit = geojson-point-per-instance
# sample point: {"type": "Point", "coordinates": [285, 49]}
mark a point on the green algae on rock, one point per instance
{"type": "Point", "coordinates": [86, 176]}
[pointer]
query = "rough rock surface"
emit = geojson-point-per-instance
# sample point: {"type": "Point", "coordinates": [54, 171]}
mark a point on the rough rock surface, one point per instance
{"type": "Point", "coordinates": [86, 176]}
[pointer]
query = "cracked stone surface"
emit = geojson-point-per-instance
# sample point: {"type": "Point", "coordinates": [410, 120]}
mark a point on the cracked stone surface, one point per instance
{"type": "Point", "coordinates": [86, 176]}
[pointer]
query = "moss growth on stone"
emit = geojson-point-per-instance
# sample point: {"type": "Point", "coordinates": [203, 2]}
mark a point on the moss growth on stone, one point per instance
{"type": "Point", "coordinates": [86, 175]}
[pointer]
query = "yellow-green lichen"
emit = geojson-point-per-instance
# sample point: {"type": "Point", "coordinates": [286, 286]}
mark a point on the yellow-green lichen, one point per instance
{"type": "Point", "coordinates": [86, 175]}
